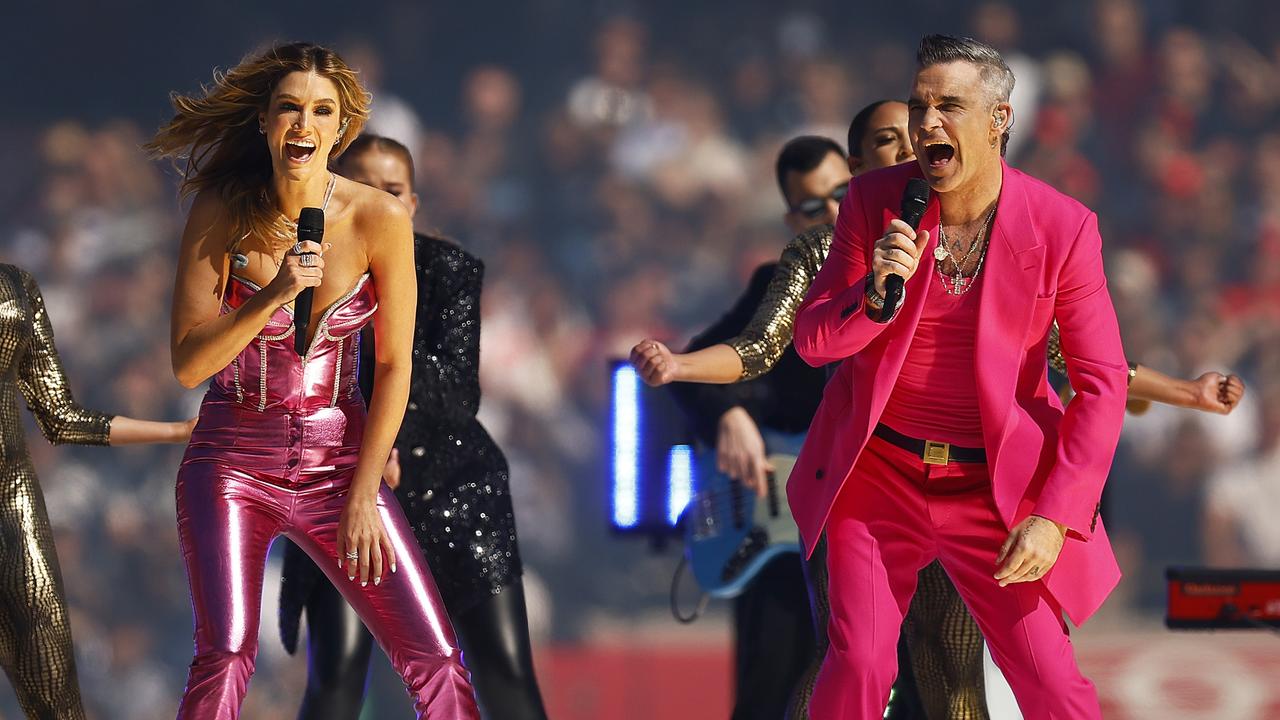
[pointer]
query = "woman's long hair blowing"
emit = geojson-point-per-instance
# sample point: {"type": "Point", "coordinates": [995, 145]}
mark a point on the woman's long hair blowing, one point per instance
{"type": "Point", "coordinates": [216, 133]}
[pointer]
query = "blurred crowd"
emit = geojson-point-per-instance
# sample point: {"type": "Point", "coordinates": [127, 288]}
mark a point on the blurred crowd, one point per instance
{"type": "Point", "coordinates": [626, 189]}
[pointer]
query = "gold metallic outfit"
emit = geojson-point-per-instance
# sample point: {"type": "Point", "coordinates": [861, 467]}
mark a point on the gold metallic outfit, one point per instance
{"type": "Point", "coordinates": [945, 643]}
{"type": "Point", "coordinates": [1056, 361]}
{"type": "Point", "coordinates": [769, 333]}
{"type": "Point", "coordinates": [35, 634]}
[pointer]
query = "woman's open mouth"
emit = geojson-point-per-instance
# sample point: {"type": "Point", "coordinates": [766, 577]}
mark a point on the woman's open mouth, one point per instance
{"type": "Point", "coordinates": [299, 151]}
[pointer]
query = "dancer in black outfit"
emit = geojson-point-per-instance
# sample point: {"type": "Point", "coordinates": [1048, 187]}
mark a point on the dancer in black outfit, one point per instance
{"type": "Point", "coordinates": [452, 482]}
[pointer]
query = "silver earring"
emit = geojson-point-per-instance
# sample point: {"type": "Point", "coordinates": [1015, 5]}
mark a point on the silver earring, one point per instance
{"type": "Point", "coordinates": [262, 130]}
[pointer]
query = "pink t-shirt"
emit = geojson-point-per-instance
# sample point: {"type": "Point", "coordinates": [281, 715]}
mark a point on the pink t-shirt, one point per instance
{"type": "Point", "coordinates": [936, 396]}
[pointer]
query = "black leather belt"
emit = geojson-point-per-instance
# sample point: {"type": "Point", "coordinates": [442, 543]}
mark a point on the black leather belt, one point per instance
{"type": "Point", "coordinates": [931, 452]}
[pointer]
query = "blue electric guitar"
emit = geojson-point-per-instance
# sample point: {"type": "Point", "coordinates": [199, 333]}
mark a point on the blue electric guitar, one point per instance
{"type": "Point", "coordinates": [730, 533]}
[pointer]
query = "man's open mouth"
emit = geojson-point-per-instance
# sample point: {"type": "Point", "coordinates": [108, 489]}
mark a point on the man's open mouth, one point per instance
{"type": "Point", "coordinates": [938, 155]}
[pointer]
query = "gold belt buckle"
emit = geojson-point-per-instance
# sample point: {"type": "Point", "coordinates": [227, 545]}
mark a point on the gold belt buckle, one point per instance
{"type": "Point", "coordinates": [936, 453]}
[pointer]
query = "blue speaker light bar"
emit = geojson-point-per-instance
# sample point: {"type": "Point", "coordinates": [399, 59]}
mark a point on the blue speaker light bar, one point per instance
{"type": "Point", "coordinates": [626, 447]}
{"type": "Point", "coordinates": [679, 481]}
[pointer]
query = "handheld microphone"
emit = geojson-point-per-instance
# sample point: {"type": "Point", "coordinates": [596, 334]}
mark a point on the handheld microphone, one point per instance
{"type": "Point", "coordinates": [310, 229]}
{"type": "Point", "coordinates": [914, 201]}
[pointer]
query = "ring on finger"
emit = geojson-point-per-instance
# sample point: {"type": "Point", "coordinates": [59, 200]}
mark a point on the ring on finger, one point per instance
{"type": "Point", "coordinates": [296, 249]}
{"type": "Point", "coordinates": [307, 259]}
{"type": "Point", "coordinates": [353, 555]}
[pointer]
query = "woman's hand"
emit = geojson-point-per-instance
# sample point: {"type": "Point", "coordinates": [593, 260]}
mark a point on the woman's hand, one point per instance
{"type": "Point", "coordinates": [303, 267]}
{"type": "Point", "coordinates": [363, 542]}
{"type": "Point", "coordinates": [1213, 392]}
{"type": "Point", "coordinates": [1218, 393]}
{"type": "Point", "coordinates": [655, 363]}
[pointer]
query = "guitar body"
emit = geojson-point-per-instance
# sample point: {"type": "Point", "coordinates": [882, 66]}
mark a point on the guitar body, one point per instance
{"type": "Point", "coordinates": [730, 533]}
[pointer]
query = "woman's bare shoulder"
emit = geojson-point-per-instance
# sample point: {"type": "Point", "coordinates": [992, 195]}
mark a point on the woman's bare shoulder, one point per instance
{"type": "Point", "coordinates": [371, 205]}
{"type": "Point", "coordinates": [207, 219]}
{"type": "Point", "coordinates": [375, 213]}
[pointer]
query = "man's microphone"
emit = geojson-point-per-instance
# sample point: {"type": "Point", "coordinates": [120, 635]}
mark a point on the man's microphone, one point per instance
{"type": "Point", "coordinates": [914, 201]}
{"type": "Point", "coordinates": [310, 229]}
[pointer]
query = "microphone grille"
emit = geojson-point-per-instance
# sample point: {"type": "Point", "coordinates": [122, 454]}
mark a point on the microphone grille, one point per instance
{"type": "Point", "coordinates": [311, 218]}
{"type": "Point", "coordinates": [917, 191]}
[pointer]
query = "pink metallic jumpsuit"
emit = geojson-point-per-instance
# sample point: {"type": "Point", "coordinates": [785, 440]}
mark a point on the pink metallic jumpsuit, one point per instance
{"type": "Point", "coordinates": [273, 454]}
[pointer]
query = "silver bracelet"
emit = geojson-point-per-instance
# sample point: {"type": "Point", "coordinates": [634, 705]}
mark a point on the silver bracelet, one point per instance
{"type": "Point", "coordinates": [874, 299]}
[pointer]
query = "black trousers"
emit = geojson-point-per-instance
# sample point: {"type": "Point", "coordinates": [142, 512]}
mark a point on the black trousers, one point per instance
{"type": "Point", "coordinates": [493, 634]}
{"type": "Point", "coordinates": [774, 640]}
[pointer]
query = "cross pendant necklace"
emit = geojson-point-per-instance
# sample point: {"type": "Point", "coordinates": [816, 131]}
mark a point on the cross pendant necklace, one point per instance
{"type": "Point", "coordinates": [959, 283]}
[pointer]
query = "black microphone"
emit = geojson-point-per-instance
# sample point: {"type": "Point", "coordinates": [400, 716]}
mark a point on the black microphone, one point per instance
{"type": "Point", "coordinates": [310, 229]}
{"type": "Point", "coordinates": [914, 201]}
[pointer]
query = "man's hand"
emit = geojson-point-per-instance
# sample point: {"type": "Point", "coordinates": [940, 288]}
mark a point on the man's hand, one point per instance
{"type": "Point", "coordinates": [1032, 548]}
{"type": "Point", "coordinates": [740, 451]}
{"type": "Point", "coordinates": [897, 252]}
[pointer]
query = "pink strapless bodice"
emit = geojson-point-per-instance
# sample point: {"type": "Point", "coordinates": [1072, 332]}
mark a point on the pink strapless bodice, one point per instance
{"type": "Point", "coordinates": [269, 375]}
{"type": "Point", "coordinates": [289, 419]}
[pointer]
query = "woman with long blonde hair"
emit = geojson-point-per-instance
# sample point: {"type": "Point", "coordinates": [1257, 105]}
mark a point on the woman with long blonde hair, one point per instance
{"type": "Point", "coordinates": [284, 444]}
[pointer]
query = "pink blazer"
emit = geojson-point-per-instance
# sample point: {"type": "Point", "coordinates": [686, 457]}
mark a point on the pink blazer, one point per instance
{"type": "Point", "coordinates": [1044, 262]}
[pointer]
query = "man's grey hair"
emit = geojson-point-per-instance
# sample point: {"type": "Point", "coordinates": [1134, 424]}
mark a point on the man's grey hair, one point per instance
{"type": "Point", "coordinates": [995, 73]}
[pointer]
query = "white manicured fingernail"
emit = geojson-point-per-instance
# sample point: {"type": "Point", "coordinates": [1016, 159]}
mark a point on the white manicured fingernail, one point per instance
{"type": "Point", "coordinates": [364, 583]}
{"type": "Point", "coordinates": [351, 577]}
{"type": "Point", "coordinates": [377, 581]}
{"type": "Point", "coordinates": [393, 567]}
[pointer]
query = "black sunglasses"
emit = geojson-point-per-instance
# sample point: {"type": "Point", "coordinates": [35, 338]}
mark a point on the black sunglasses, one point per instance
{"type": "Point", "coordinates": [815, 206]}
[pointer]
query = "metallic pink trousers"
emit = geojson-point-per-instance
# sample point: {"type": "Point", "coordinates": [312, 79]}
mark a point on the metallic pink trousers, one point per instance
{"type": "Point", "coordinates": [251, 475]}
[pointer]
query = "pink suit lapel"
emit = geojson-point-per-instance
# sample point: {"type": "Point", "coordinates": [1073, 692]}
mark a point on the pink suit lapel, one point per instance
{"type": "Point", "coordinates": [1011, 274]}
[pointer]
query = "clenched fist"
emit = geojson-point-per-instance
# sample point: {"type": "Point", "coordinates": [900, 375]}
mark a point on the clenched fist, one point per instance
{"type": "Point", "coordinates": [897, 253]}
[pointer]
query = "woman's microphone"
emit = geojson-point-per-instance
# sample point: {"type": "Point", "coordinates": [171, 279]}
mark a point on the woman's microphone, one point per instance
{"type": "Point", "coordinates": [310, 229]}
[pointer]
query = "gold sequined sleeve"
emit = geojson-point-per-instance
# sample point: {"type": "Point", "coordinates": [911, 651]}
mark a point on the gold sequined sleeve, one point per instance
{"type": "Point", "coordinates": [44, 384]}
{"type": "Point", "coordinates": [1056, 361]}
{"type": "Point", "coordinates": [770, 330]}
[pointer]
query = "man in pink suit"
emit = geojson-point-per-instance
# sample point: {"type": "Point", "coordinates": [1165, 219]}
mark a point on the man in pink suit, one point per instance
{"type": "Point", "coordinates": [939, 435]}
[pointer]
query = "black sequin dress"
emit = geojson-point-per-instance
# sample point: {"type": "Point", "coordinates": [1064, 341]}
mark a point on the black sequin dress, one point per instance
{"type": "Point", "coordinates": [454, 483]}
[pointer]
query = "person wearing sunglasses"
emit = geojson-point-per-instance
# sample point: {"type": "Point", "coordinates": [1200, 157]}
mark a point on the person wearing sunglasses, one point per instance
{"type": "Point", "coordinates": [814, 209]}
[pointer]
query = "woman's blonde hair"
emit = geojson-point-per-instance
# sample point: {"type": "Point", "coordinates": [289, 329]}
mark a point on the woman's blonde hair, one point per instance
{"type": "Point", "coordinates": [216, 132]}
